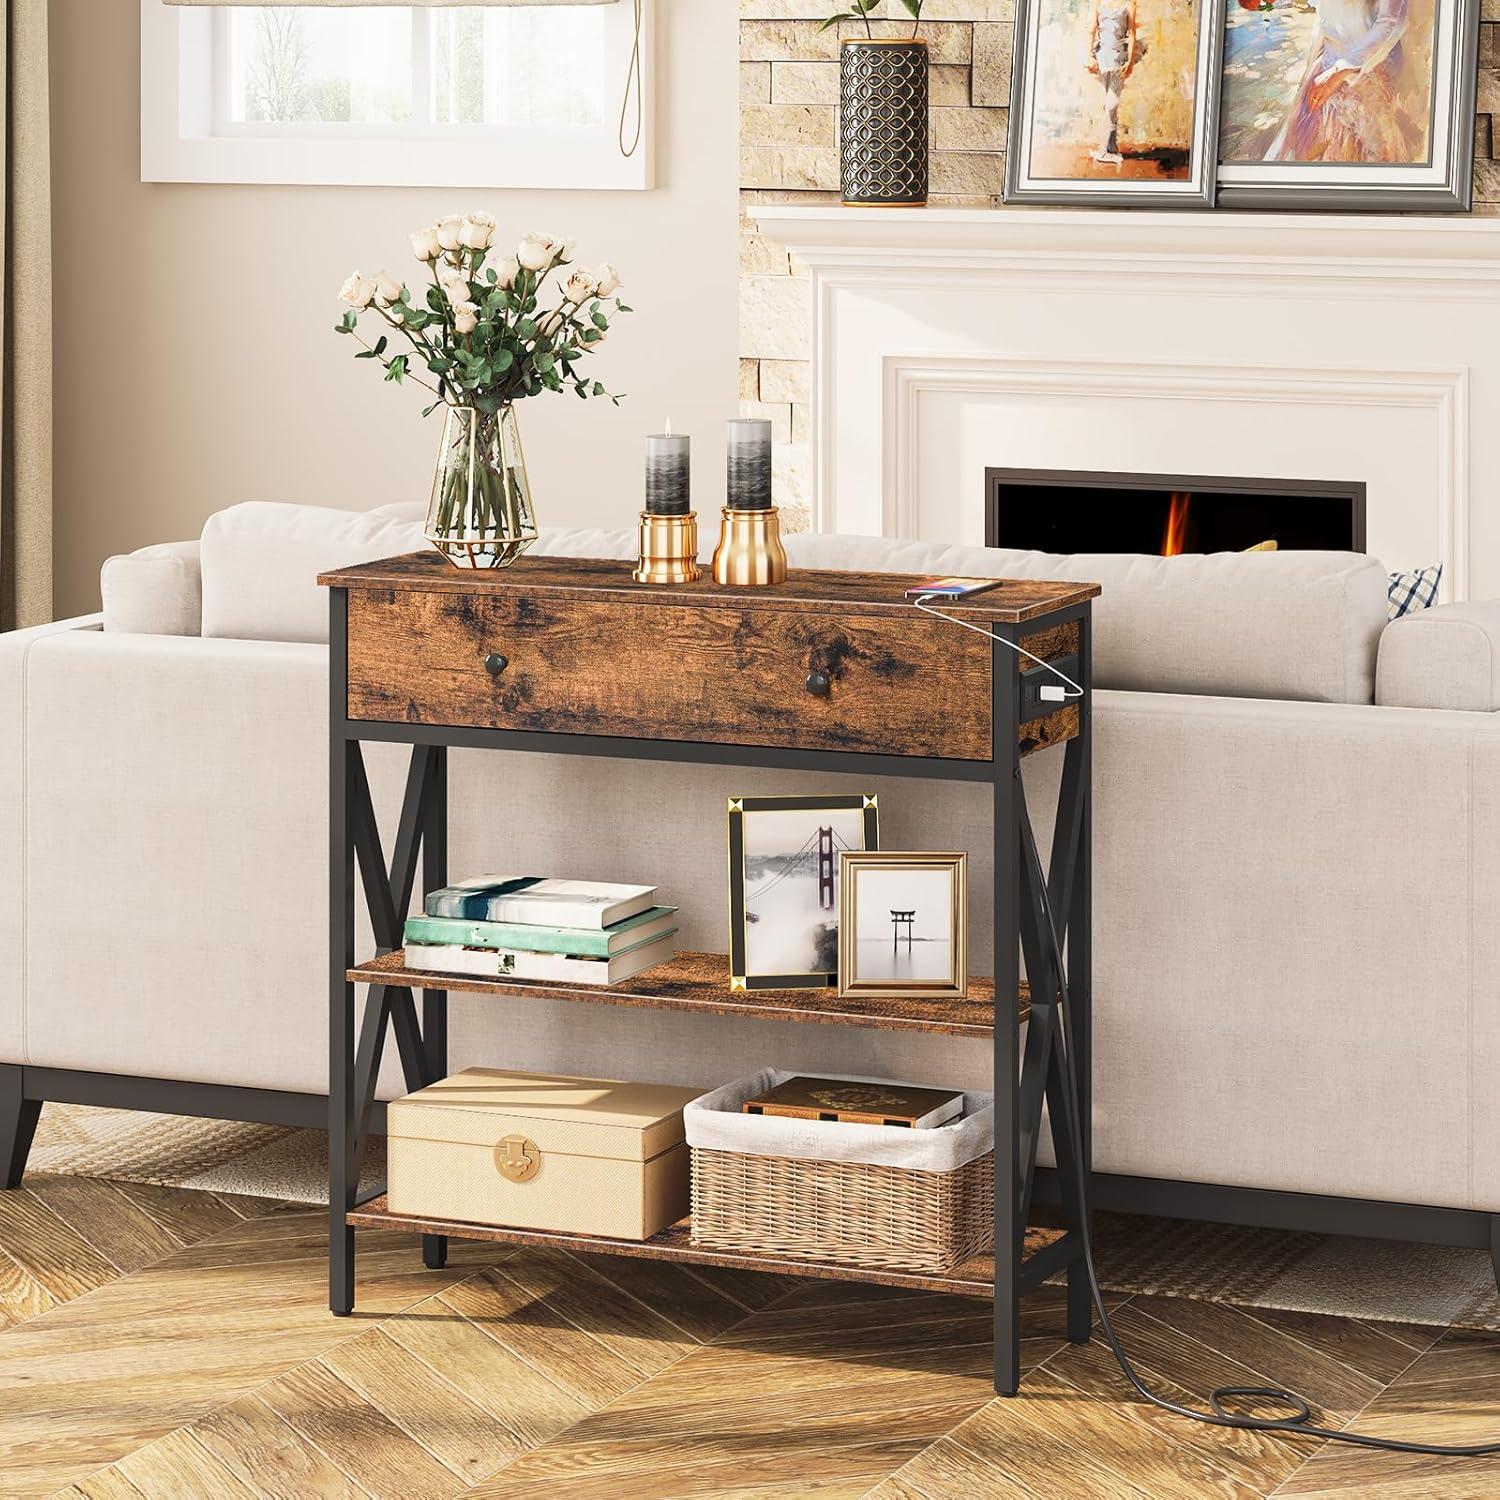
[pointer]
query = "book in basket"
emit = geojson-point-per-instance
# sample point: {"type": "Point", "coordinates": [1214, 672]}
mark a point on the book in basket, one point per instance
{"type": "Point", "coordinates": [855, 1103]}
{"type": "Point", "coordinates": [538, 901]}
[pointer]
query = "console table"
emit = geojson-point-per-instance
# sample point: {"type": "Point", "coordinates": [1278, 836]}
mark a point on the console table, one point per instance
{"type": "Point", "coordinates": [826, 672]}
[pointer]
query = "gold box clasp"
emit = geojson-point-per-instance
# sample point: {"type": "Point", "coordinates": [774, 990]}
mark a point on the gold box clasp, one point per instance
{"type": "Point", "coordinates": [518, 1159]}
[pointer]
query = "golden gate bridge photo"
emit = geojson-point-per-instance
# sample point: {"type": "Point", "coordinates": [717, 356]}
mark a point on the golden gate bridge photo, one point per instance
{"type": "Point", "coordinates": [791, 899]}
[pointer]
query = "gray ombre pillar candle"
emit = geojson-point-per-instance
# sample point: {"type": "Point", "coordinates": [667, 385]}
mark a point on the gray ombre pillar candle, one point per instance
{"type": "Point", "coordinates": [749, 464]}
{"type": "Point", "coordinates": [668, 474]}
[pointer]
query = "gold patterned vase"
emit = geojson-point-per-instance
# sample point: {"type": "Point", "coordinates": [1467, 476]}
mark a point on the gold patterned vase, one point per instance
{"type": "Point", "coordinates": [883, 122]}
{"type": "Point", "coordinates": [480, 514]}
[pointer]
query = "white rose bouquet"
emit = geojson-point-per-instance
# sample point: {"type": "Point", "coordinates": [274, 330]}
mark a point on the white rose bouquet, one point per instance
{"type": "Point", "coordinates": [479, 327]}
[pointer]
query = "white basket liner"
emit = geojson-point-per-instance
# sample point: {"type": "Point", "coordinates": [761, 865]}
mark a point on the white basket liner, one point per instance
{"type": "Point", "coordinates": [713, 1122]}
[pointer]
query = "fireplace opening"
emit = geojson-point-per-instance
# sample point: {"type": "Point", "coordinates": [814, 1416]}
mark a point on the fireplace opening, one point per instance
{"type": "Point", "coordinates": [1050, 510]}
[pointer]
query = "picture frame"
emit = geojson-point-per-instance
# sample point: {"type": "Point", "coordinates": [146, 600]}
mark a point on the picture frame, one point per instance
{"type": "Point", "coordinates": [1141, 135]}
{"type": "Point", "coordinates": [919, 900]}
{"type": "Point", "coordinates": [783, 885]}
{"type": "Point", "coordinates": [1281, 132]}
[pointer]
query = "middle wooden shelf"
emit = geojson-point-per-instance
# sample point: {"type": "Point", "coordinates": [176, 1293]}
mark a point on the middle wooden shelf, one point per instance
{"type": "Point", "coordinates": [699, 983]}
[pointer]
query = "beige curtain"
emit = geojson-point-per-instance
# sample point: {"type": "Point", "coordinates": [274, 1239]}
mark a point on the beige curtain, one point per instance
{"type": "Point", "coordinates": [26, 323]}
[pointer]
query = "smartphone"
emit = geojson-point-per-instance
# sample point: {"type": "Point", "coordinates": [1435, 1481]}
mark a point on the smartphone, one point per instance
{"type": "Point", "coordinates": [952, 588]}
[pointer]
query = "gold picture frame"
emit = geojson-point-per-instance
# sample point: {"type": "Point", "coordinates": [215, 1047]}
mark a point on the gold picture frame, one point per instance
{"type": "Point", "coordinates": [904, 894]}
{"type": "Point", "coordinates": [753, 821]}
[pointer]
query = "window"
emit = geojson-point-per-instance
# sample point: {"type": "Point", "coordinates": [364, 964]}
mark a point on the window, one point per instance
{"type": "Point", "coordinates": [432, 96]}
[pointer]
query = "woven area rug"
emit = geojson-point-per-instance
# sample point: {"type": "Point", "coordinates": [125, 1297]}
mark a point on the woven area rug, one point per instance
{"type": "Point", "coordinates": [1386, 1280]}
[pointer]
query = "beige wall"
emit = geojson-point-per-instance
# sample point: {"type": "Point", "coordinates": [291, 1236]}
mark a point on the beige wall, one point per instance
{"type": "Point", "coordinates": [195, 360]}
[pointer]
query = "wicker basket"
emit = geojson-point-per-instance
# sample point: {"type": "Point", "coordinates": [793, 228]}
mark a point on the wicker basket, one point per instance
{"type": "Point", "coordinates": [863, 1195]}
{"type": "Point", "coordinates": [887, 1218]}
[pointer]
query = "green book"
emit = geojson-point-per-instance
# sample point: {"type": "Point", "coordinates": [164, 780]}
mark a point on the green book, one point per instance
{"type": "Point", "coordinates": [575, 942]}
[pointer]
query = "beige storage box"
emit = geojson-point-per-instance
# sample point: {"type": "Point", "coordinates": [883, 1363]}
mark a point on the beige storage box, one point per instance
{"type": "Point", "coordinates": [528, 1151]}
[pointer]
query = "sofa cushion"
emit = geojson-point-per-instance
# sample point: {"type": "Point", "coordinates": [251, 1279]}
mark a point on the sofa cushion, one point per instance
{"type": "Point", "coordinates": [1302, 625]}
{"type": "Point", "coordinates": [1444, 657]}
{"type": "Point", "coordinates": [261, 561]}
{"type": "Point", "coordinates": [154, 590]}
{"type": "Point", "coordinates": [1409, 592]}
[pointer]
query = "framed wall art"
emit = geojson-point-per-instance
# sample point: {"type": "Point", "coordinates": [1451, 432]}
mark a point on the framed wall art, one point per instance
{"type": "Point", "coordinates": [783, 886]}
{"type": "Point", "coordinates": [1115, 102]}
{"type": "Point", "coordinates": [904, 925]}
{"type": "Point", "coordinates": [1349, 104]}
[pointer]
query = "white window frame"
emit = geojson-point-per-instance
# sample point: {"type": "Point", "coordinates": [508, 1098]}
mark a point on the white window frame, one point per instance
{"type": "Point", "coordinates": [179, 142]}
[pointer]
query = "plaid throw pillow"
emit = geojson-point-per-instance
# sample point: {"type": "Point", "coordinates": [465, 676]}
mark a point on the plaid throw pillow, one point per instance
{"type": "Point", "coordinates": [1409, 592]}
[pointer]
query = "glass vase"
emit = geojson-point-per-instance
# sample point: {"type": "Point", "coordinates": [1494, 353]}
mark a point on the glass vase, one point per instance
{"type": "Point", "coordinates": [480, 514]}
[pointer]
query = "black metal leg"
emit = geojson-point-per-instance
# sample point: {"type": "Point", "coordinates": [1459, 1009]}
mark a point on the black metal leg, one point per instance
{"type": "Point", "coordinates": [1495, 1246]}
{"type": "Point", "coordinates": [1009, 1227]}
{"type": "Point", "coordinates": [1042, 944]}
{"type": "Point", "coordinates": [1052, 909]}
{"type": "Point", "coordinates": [345, 1112]}
{"type": "Point", "coordinates": [18, 1118]}
{"type": "Point", "coordinates": [356, 854]}
{"type": "Point", "coordinates": [435, 1002]}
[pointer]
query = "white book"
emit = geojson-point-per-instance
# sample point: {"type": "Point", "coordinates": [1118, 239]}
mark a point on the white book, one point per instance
{"type": "Point", "coordinates": [545, 968]}
{"type": "Point", "coordinates": [542, 902]}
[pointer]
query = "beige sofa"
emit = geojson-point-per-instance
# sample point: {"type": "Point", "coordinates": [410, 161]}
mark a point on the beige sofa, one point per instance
{"type": "Point", "coordinates": [1297, 864]}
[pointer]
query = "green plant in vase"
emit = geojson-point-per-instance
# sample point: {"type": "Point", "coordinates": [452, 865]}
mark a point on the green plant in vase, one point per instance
{"type": "Point", "coordinates": [884, 95]}
{"type": "Point", "coordinates": [862, 10]}
{"type": "Point", "coordinates": [484, 333]}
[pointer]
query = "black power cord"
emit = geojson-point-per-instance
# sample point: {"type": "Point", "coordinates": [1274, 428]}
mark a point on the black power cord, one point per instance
{"type": "Point", "coordinates": [1300, 1421]}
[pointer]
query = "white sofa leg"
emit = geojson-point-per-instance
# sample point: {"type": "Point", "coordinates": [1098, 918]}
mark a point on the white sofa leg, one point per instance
{"type": "Point", "coordinates": [18, 1118]}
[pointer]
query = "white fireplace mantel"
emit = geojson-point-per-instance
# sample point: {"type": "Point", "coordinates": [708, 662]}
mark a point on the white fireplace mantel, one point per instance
{"type": "Point", "coordinates": [1272, 345]}
{"type": "Point", "coordinates": [1453, 250]}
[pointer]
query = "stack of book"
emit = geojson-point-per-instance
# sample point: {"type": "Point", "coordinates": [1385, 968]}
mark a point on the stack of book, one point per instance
{"type": "Point", "coordinates": [529, 928]}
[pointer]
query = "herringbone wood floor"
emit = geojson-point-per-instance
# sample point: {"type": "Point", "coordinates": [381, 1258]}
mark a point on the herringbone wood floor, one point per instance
{"type": "Point", "coordinates": [158, 1342]}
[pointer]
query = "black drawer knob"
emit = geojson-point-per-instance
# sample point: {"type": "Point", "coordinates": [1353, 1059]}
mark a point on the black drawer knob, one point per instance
{"type": "Point", "coordinates": [818, 684]}
{"type": "Point", "coordinates": [495, 663]}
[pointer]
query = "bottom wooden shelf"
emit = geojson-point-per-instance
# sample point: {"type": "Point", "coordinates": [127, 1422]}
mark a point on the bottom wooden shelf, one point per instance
{"type": "Point", "coordinates": [974, 1278]}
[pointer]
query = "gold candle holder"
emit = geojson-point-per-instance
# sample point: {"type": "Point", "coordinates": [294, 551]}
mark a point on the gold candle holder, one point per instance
{"type": "Point", "coordinates": [669, 549]}
{"type": "Point", "coordinates": [750, 551]}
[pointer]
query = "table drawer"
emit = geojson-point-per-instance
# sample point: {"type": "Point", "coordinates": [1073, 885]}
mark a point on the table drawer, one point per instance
{"type": "Point", "coordinates": [756, 676]}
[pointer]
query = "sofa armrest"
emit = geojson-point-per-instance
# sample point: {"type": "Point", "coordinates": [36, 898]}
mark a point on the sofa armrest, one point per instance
{"type": "Point", "coordinates": [1445, 657]}
{"type": "Point", "coordinates": [16, 648]}
{"type": "Point", "coordinates": [154, 591]}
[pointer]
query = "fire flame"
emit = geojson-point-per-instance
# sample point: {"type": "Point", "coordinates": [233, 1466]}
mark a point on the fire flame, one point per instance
{"type": "Point", "coordinates": [1176, 533]}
